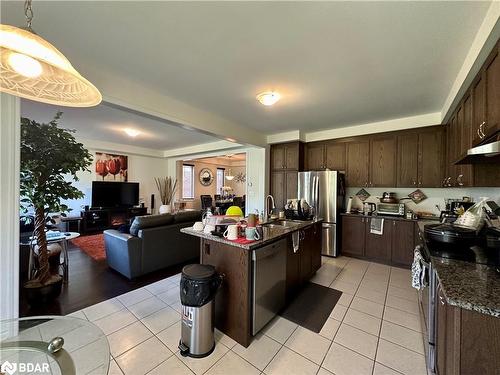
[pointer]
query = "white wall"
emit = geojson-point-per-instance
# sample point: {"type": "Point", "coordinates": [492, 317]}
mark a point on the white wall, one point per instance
{"type": "Point", "coordinates": [435, 196]}
{"type": "Point", "coordinates": [141, 169]}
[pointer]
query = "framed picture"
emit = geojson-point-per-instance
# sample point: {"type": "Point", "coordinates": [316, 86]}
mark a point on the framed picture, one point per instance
{"type": "Point", "coordinates": [206, 177]}
{"type": "Point", "coordinates": [111, 167]}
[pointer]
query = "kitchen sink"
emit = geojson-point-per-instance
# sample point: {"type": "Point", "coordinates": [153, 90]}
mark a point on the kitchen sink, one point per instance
{"type": "Point", "coordinates": [282, 224]}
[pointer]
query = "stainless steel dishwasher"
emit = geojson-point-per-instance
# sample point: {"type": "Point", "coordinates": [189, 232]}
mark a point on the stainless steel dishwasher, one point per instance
{"type": "Point", "coordinates": [269, 283]}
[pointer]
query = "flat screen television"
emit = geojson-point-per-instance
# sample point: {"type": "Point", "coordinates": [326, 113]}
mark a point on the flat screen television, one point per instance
{"type": "Point", "coordinates": [115, 194]}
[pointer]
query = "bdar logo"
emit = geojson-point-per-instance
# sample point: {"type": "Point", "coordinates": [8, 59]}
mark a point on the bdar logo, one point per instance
{"type": "Point", "coordinates": [9, 368]}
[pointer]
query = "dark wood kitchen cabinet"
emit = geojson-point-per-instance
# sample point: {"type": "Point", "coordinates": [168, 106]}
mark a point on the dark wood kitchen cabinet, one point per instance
{"type": "Point", "coordinates": [357, 166]}
{"type": "Point", "coordinates": [353, 235]}
{"type": "Point", "coordinates": [284, 185]}
{"type": "Point", "coordinates": [377, 247]}
{"type": "Point", "coordinates": [467, 342]}
{"type": "Point", "coordinates": [407, 160]}
{"type": "Point", "coordinates": [287, 156]}
{"type": "Point", "coordinates": [492, 76]}
{"type": "Point", "coordinates": [479, 107]}
{"type": "Point", "coordinates": [402, 242]}
{"type": "Point", "coordinates": [383, 161]}
{"type": "Point", "coordinates": [325, 155]}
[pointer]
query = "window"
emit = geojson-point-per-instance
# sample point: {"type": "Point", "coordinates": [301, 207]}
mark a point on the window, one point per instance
{"type": "Point", "coordinates": [220, 179]}
{"type": "Point", "coordinates": [188, 181]}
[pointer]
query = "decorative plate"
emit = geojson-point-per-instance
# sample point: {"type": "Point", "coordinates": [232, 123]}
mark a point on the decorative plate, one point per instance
{"type": "Point", "coordinates": [363, 195]}
{"type": "Point", "coordinates": [417, 196]}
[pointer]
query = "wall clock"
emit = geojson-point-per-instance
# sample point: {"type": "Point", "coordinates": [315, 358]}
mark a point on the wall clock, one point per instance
{"type": "Point", "coordinates": [206, 177]}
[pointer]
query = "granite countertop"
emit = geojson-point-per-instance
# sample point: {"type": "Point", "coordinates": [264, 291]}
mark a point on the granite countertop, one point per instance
{"type": "Point", "coordinates": [270, 234]}
{"type": "Point", "coordinates": [468, 285]}
{"type": "Point", "coordinates": [391, 217]}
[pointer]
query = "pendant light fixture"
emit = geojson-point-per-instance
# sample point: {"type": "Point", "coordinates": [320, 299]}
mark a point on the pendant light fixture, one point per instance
{"type": "Point", "coordinates": [229, 176]}
{"type": "Point", "coordinates": [32, 68]}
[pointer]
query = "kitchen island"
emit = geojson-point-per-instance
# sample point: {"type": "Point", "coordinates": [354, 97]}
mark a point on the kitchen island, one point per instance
{"type": "Point", "coordinates": [257, 285]}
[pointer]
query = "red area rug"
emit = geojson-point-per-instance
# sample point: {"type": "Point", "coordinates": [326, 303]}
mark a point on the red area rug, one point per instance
{"type": "Point", "coordinates": [92, 245]}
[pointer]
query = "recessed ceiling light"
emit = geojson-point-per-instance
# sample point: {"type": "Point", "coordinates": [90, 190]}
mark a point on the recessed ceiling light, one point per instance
{"type": "Point", "coordinates": [268, 97]}
{"type": "Point", "coordinates": [132, 132]}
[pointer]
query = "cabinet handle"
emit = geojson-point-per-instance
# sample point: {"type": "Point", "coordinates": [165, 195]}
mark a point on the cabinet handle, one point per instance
{"type": "Point", "coordinates": [482, 135]}
{"type": "Point", "coordinates": [420, 183]}
{"type": "Point", "coordinates": [371, 183]}
{"type": "Point", "coordinates": [415, 182]}
{"type": "Point", "coordinates": [459, 180]}
{"type": "Point", "coordinates": [393, 223]}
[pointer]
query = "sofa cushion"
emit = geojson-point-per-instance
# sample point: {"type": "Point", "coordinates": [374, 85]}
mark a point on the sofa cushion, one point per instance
{"type": "Point", "coordinates": [149, 221]}
{"type": "Point", "coordinates": [187, 216]}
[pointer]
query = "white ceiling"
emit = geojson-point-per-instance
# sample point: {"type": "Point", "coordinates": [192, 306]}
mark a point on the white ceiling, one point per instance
{"type": "Point", "coordinates": [335, 63]}
{"type": "Point", "coordinates": [106, 123]}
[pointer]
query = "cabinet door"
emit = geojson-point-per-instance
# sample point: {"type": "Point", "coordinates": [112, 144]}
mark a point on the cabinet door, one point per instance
{"type": "Point", "coordinates": [465, 172]}
{"type": "Point", "coordinates": [440, 332]}
{"type": "Point", "coordinates": [315, 157]}
{"type": "Point", "coordinates": [378, 247]}
{"type": "Point", "coordinates": [277, 157]}
{"type": "Point", "coordinates": [431, 158]}
{"type": "Point", "coordinates": [292, 155]}
{"type": "Point", "coordinates": [383, 162]}
{"type": "Point", "coordinates": [353, 235]}
{"type": "Point", "coordinates": [335, 156]}
{"type": "Point", "coordinates": [278, 189]}
{"type": "Point", "coordinates": [407, 171]}
{"type": "Point", "coordinates": [314, 235]}
{"type": "Point", "coordinates": [291, 187]}
{"type": "Point", "coordinates": [478, 107]}
{"type": "Point", "coordinates": [305, 257]}
{"type": "Point", "coordinates": [358, 154]}
{"type": "Point", "coordinates": [492, 75]}
{"type": "Point", "coordinates": [292, 271]}
{"type": "Point", "coordinates": [403, 242]}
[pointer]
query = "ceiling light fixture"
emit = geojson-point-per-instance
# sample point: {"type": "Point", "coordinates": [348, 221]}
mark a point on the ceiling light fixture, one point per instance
{"type": "Point", "coordinates": [32, 68]}
{"type": "Point", "coordinates": [229, 176]}
{"type": "Point", "coordinates": [132, 132]}
{"type": "Point", "coordinates": [269, 97]}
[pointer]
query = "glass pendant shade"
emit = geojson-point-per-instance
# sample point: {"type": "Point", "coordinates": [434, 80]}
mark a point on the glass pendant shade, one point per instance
{"type": "Point", "coordinates": [32, 68]}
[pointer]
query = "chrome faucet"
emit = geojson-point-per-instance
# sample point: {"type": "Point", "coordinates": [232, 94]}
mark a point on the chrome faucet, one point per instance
{"type": "Point", "coordinates": [269, 209]}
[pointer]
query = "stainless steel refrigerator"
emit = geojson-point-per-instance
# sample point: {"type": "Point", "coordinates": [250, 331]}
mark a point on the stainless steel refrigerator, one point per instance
{"type": "Point", "coordinates": [325, 192]}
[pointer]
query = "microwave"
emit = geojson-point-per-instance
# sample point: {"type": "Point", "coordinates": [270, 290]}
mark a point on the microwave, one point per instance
{"type": "Point", "coordinates": [394, 209]}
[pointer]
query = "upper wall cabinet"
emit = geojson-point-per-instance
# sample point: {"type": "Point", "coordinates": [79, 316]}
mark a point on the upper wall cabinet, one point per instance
{"type": "Point", "coordinates": [287, 156]}
{"type": "Point", "coordinates": [383, 161]}
{"type": "Point", "coordinates": [358, 163]}
{"type": "Point", "coordinates": [325, 155]}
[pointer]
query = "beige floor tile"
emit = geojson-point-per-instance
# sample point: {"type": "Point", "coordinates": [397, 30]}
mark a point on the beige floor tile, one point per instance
{"type": "Point", "coordinates": [402, 304]}
{"type": "Point", "coordinates": [231, 363]}
{"type": "Point", "coordinates": [224, 339]}
{"type": "Point", "coordinates": [147, 307]}
{"type": "Point", "coordinates": [114, 369]}
{"type": "Point", "coordinates": [161, 319]}
{"type": "Point", "coordinates": [324, 280]}
{"type": "Point", "coordinates": [371, 295]}
{"type": "Point", "coordinates": [357, 340]}
{"type": "Point", "coordinates": [330, 328]}
{"type": "Point", "coordinates": [201, 365]}
{"type": "Point", "coordinates": [380, 369]}
{"type": "Point", "coordinates": [344, 287]}
{"type": "Point", "coordinates": [290, 363]}
{"type": "Point", "coordinates": [128, 337]}
{"type": "Point", "coordinates": [402, 318]}
{"type": "Point", "coordinates": [338, 312]}
{"type": "Point", "coordinates": [400, 359]}
{"type": "Point", "coordinates": [280, 329]}
{"type": "Point", "coordinates": [309, 344]}
{"type": "Point", "coordinates": [345, 299]}
{"type": "Point", "coordinates": [260, 352]}
{"type": "Point", "coordinates": [324, 371]}
{"type": "Point", "coordinates": [343, 361]}
{"type": "Point", "coordinates": [367, 306]}
{"type": "Point", "coordinates": [135, 296]}
{"type": "Point", "coordinates": [171, 336]}
{"type": "Point", "coordinates": [144, 357]}
{"type": "Point", "coordinates": [116, 321]}
{"type": "Point", "coordinates": [78, 314]}
{"type": "Point", "coordinates": [173, 366]}
{"type": "Point", "coordinates": [410, 295]}
{"type": "Point", "coordinates": [102, 309]}
{"type": "Point", "coordinates": [378, 286]}
{"type": "Point", "coordinates": [363, 321]}
{"type": "Point", "coordinates": [160, 286]}
{"type": "Point", "coordinates": [405, 337]}
{"type": "Point", "coordinates": [171, 296]}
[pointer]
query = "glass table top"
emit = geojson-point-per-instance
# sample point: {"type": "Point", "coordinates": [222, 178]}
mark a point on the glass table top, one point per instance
{"type": "Point", "coordinates": [58, 345]}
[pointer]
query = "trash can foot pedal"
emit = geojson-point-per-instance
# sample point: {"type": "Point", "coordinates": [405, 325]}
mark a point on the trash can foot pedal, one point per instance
{"type": "Point", "coordinates": [184, 350]}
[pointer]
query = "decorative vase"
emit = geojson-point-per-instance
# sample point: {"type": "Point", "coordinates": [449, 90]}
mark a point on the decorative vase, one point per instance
{"type": "Point", "coordinates": [165, 209]}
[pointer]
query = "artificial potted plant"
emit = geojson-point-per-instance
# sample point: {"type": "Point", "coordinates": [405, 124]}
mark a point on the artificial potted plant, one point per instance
{"type": "Point", "coordinates": [166, 187]}
{"type": "Point", "coordinates": [50, 157]}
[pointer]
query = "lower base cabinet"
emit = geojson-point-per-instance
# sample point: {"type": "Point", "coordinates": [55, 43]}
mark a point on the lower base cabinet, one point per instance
{"type": "Point", "coordinates": [394, 246]}
{"type": "Point", "coordinates": [467, 342]}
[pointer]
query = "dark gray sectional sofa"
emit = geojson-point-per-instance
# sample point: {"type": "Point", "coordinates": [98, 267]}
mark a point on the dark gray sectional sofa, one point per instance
{"type": "Point", "coordinates": [154, 242]}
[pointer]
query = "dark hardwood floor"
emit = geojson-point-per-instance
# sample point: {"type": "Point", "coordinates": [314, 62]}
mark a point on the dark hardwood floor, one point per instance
{"type": "Point", "coordinates": [90, 282]}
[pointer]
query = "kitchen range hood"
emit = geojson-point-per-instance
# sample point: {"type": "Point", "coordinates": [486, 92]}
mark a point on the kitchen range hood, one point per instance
{"type": "Point", "coordinates": [483, 154]}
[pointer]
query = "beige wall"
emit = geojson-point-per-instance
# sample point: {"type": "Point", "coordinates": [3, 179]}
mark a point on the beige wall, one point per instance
{"type": "Point", "coordinates": [239, 189]}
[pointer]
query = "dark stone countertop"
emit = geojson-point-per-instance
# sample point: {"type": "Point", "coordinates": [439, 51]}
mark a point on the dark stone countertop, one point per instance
{"type": "Point", "coordinates": [468, 285]}
{"type": "Point", "coordinates": [391, 217]}
{"type": "Point", "coordinates": [270, 234]}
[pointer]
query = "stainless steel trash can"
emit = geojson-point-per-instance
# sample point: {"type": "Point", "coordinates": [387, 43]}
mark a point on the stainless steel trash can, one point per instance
{"type": "Point", "coordinates": [198, 287]}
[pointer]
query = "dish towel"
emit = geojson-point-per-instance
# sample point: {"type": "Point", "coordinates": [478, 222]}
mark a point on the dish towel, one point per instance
{"type": "Point", "coordinates": [296, 241]}
{"type": "Point", "coordinates": [418, 268]}
{"type": "Point", "coordinates": [377, 225]}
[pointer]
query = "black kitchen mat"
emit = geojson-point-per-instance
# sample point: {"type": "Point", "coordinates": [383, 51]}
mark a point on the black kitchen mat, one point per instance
{"type": "Point", "coordinates": [312, 306]}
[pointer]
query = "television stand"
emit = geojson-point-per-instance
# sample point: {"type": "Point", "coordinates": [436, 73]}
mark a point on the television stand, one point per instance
{"type": "Point", "coordinates": [97, 219]}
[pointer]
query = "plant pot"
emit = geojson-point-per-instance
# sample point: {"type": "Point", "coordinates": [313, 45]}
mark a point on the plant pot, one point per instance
{"type": "Point", "coordinates": [165, 209]}
{"type": "Point", "coordinates": [37, 293]}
